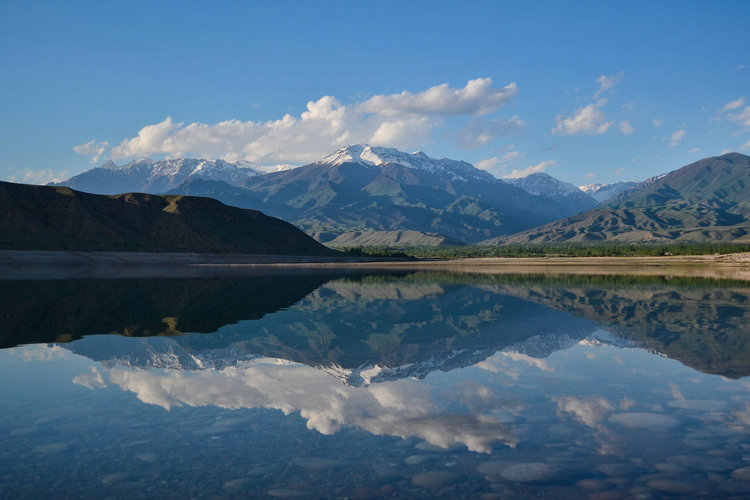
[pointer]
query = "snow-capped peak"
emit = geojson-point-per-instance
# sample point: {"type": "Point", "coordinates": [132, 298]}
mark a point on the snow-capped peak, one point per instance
{"type": "Point", "coordinates": [167, 174]}
{"type": "Point", "coordinates": [369, 156]}
{"type": "Point", "coordinates": [603, 192]}
{"type": "Point", "coordinates": [542, 184]}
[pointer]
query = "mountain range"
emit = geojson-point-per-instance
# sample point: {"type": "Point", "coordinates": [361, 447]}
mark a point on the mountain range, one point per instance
{"type": "Point", "coordinates": [344, 322]}
{"type": "Point", "coordinates": [364, 195]}
{"type": "Point", "coordinates": [708, 200]}
{"type": "Point", "coordinates": [60, 218]}
{"type": "Point", "coordinates": [359, 189]}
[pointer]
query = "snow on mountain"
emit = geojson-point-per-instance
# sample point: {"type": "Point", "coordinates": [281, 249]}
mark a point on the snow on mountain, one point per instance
{"type": "Point", "coordinates": [375, 156]}
{"type": "Point", "coordinates": [176, 171]}
{"type": "Point", "coordinates": [542, 184]}
{"type": "Point", "coordinates": [603, 192]}
{"type": "Point", "coordinates": [146, 175]}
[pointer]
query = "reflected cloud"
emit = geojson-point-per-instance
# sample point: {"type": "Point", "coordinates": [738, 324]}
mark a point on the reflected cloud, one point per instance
{"type": "Point", "coordinates": [41, 353]}
{"type": "Point", "coordinates": [506, 362]}
{"type": "Point", "coordinates": [404, 408]}
{"type": "Point", "coordinates": [93, 380]}
{"type": "Point", "coordinates": [589, 410]}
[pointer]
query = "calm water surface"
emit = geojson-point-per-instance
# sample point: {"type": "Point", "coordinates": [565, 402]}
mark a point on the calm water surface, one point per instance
{"type": "Point", "coordinates": [364, 386]}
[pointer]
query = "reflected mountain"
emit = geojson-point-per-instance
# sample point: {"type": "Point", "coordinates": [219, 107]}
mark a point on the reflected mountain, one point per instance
{"type": "Point", "coordinates": [34, 311]}
{"type": "Point", "coordinates": [369, 328]}
{"type": "Point", "coordinates": [702, 323]}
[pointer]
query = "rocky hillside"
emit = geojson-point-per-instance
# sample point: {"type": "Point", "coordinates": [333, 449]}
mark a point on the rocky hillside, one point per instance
{"type": "Point", "coordinates": [708, 200]}
{"type": "Point", "coordinates": [59, 218]}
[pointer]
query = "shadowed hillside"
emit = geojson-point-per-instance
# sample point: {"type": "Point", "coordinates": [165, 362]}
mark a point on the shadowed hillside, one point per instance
{"type": "Point", "coordinates": [59, 218]}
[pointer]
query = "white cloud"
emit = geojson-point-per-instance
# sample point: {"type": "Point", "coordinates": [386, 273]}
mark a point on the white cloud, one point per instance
{"type": "Point", "coordinates": [496, 164]}
{"type": "Point", "coordinates": [476, 98]}
{"type": "Point", "coordinates": [745, 146]}
{"type": "Point", "coordinates": [743, 117]}
{"type": "Point", "coordinates": [676, 137]}
{"type": "Point", "coordinates": [657, 122]}
{"type": "Point", "coordinates": [539, 167]}
{"type": "Point", "coordinates": [693, 150]}
{"type": "Point", "coordinates": [405, 408]}
{"type": "Point", "coordinates": [732, 105]}
{"type": "Point", "coordinates": [404, 120]}
{"type": "Point", "coordinates": [93, 148]}
{"type": "Point", "coordinates": [480, 131]}
{"type": "Point", "coordinates": [589, 411]}
{"type": "Point", "coordinates": [587, 120]}
{"type": "Point", "coordinates": [626, 128]}
{"type": "Point", "coordinates": [607, 82]}
{"type": "Point", "coordinates": [589, 176]}
{"type": "Point", "coordinates": [39, 176]}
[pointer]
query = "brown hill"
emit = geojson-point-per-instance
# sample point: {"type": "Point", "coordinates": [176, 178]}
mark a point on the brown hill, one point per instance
{"type": "Point", "coordinates": [708, 200]}
{"type": "Point", "coordinates": [59, 218]}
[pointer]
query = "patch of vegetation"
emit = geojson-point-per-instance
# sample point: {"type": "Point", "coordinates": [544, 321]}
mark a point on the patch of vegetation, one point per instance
{"type": "Point", "coordinates": [551, 250]}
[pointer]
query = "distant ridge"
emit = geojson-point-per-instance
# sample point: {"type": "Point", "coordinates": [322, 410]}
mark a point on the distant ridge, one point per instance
{"type": "Point", "coordinates": [706, 201]}
{"type": "Point", "coordinates": [392, 239]}
{"type": "Point", "coordinates": [157, 177]}
{"type": "Point", "coordinates": [59, 218]}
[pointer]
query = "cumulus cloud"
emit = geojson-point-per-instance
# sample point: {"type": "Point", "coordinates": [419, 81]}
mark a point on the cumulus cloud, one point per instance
{"type": "Point", "coordinates": [589, 411]}
{"type": "Point", "coordinates": [732, 105]}
{"type": "Point", "coordinates": [607, 82]}
{"type": "Point", "coordinates": [403, 120]}
{"type": "Point", "coordinates": [480, 131]}
{"type": "Point", "coordinates": [476, 98]}
{"type": "Point", "coordinates": [626, 128]}
{"type": "Point", "coordinates": [586, 120]}
{"type": "Point", "coordinates": [404, 408]}
{"type": "Point", "coordinates": [742, 118]}
{"type": "Point", "coordinates": [93, 149]}
{"type": "Point", "coordinates": [590, 119]}
{"type": "Point", "coordinates": [676, 137]}
{"type": "Point", "coordinates": [496, 164]}
{"type": "Point", "coordinates": [533, 169]}
{"type": "Point", "coordinates": [93, 380]}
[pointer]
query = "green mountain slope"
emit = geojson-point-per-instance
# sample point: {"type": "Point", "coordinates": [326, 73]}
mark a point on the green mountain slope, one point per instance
{"type": "Point", "coordinates": [59, 218]}
{"type": "Point", "coordinates": [391, 239]}
{"type": "Point", "coordinates": [708, 200]}
{"type": "Point", "coordinates": [325, 199]}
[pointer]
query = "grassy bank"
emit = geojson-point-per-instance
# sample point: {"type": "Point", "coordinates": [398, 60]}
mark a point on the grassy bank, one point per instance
{"type": "Point", "coordinates": [550, 250]}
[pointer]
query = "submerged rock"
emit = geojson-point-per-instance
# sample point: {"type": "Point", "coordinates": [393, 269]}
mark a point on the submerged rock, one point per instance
{"type": "Point", "coordinates": [434, 480]}
{"type": "Point", "coordinates": [528, 472]}
{"type": "Point", "coordinates": [742, 474]}
{"type": "Point", "coordinates": [318, 463]}
{"type": "Point", "coordinates": [645, 421]}
{"type": "Point", "coordinates": [286, 493]}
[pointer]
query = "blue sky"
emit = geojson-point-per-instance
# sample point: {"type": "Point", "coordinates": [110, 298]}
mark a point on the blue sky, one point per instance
{"type": "Point", "coordinates": [585, 91]}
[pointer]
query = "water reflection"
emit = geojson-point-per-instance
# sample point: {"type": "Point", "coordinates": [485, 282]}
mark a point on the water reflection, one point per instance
{"type": "Point", "coordinates": [415, 385]}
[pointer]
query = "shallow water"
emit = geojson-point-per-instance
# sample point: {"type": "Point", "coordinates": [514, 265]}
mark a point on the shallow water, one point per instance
{"type": "Point", "coordinates": [364, 386]}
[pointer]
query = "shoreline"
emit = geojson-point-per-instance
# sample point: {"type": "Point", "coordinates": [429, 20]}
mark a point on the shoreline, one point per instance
{"type": "Point", "coordinates": [19, 264]}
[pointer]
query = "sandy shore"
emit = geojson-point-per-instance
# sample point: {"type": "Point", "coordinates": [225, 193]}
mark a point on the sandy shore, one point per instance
{"type": "Point", "coordinates": [17, 264]}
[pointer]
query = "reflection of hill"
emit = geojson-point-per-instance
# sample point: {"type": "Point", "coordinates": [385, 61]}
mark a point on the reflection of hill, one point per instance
{"type": "Point", "coordinates": [49, 311]}
{"type": "Point", "coordinates": [405, 326]}
{"type": "Point", "coordinates": [695, 322]}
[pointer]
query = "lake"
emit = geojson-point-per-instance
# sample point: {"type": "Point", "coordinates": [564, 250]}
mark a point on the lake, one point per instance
{"type": "Point", "coordinates": [365, 385]}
